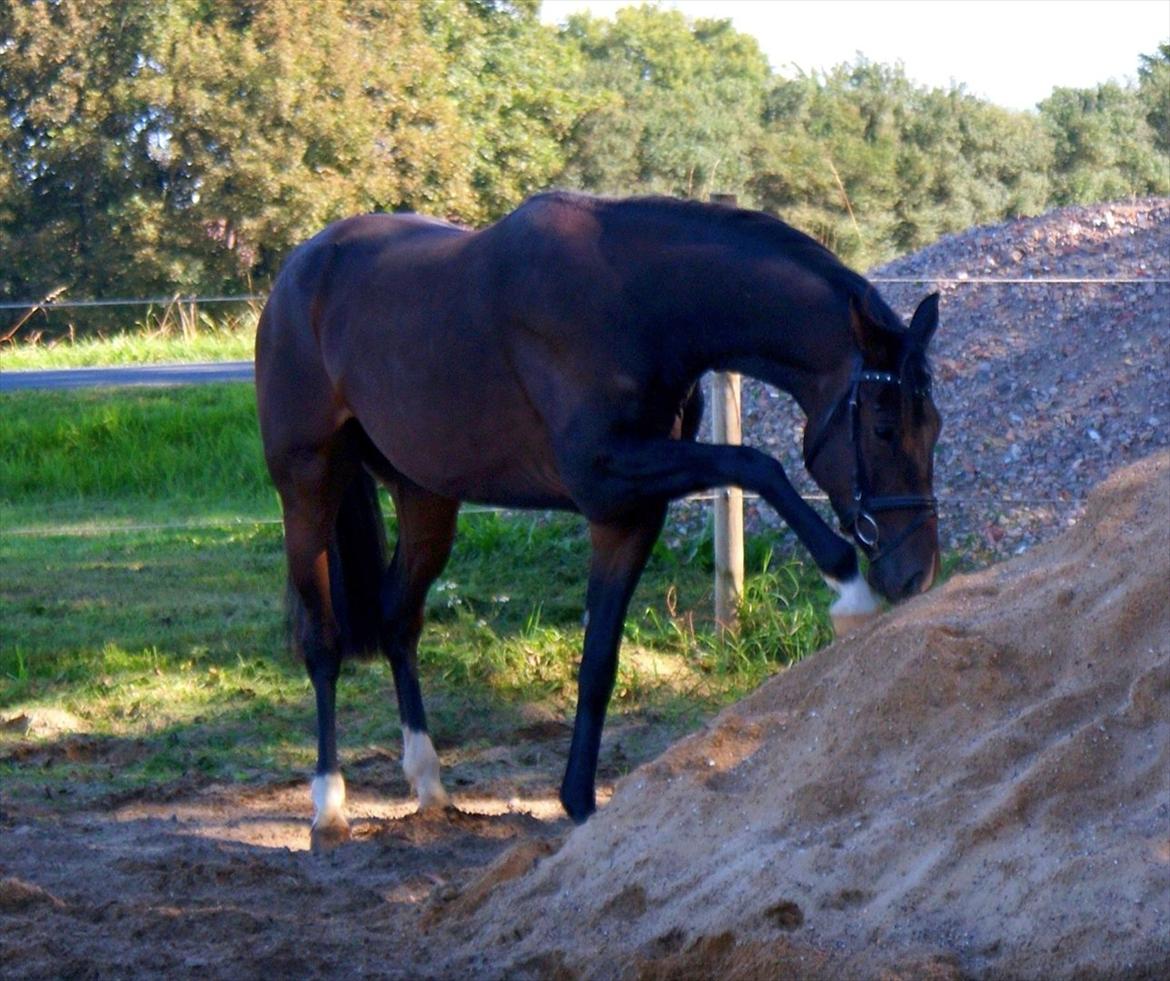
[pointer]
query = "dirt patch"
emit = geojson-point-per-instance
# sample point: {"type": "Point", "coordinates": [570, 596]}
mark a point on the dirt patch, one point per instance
{"type": "Point", "coordinates": [42, 723]}
{"type": "Point", "coordinates": [978, 785]}
{"type": "Point", "coordinates": [221, 884]}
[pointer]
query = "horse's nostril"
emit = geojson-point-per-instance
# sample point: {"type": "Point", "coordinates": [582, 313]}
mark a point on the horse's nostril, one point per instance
{"type": "Point", "coordinates": [914, 584]}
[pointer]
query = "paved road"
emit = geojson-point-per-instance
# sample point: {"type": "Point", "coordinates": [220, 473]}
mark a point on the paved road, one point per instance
{"type": "Point", "coordinates": [128, 375]}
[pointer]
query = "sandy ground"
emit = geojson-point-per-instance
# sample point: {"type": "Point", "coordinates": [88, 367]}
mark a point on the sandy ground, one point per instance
{"type": "Point", "coordinates": [977, 785]}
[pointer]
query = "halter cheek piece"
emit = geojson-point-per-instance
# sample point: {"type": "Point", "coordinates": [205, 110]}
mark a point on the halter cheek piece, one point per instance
{"type": "Point", "coordinates": [859, 519]}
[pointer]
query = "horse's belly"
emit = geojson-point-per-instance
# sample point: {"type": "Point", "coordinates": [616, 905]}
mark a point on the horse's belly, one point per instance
{"type": "Point", "coordinates": [495, 451]}
{"type": "Point", "coordinates": [442, 404]}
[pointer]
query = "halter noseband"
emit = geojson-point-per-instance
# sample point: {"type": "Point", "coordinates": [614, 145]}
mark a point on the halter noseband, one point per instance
{"type": "Point", "coordinates": [859, 520]}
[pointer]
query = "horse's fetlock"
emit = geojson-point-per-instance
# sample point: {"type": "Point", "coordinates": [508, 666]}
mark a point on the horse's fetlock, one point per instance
{"type": "Point", "coordinates": [329, 823]}
{"type": "Point", "coordinates": [420, 763]}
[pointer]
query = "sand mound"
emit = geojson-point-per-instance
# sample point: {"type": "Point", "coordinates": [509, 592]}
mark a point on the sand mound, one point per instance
{"type": "Point", "coordinates": [978, 785]}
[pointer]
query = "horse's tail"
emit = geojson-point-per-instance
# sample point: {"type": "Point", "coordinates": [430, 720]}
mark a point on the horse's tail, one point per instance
{"type": "Point", "coordinates": [357, 565]}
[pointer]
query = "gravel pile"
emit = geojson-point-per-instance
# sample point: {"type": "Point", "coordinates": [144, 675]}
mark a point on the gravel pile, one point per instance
{"type": "Point", "coordinates": [1044, 388]}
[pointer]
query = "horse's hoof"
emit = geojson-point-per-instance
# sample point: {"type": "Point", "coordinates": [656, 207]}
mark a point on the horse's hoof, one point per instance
{"type": "Point", "coordinates": [326, 837]}
{"type": "Point", "coordinates": [578, 806]}
{"type": "Point", "coordinates": [847, 623]}
{"type": "Point", "coordinates": [434, 798]}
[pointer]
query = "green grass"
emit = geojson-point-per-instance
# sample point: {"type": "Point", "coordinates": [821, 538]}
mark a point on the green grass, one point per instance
{"type": "Point", "coordinates": [142, 591]}
{"type": "Point", "coordinates": [158, 339]}
{"type": "Point", "coordinates": [139, 455]}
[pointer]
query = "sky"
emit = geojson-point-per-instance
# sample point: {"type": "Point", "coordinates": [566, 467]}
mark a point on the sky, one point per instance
{"type": "Point", "coordinates": [1010, 52]}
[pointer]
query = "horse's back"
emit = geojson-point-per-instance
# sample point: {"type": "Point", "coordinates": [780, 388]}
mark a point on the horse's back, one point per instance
{"type": "Point", "coordinates": [481, 365]}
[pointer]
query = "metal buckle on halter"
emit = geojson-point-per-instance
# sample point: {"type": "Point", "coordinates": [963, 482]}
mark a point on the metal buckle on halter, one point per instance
{"type": "Point", "coordinates": [866, 541]}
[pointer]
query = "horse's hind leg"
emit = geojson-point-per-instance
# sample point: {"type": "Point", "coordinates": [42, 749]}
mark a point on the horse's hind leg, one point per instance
{"type": "Point", "coordinates": [426, 531]}
{"type": "Point", "coordinates": [619, 554]}
{"type": "Point", "coordinates": [311, 485]}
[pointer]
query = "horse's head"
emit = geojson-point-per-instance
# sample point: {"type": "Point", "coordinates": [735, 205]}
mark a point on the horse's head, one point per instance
{"type": "Point", "coordinates": [871, 449]}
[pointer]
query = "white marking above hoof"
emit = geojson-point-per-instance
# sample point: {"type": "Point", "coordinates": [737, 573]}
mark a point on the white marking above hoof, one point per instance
{"type": "Point", "coordinates": [855, 598]}
{"type": "Point", "coordinates": [855, 605]}
{"type": "Point", "coordinates": [420, 763]}
{"type": "Point", "coordinates": [328, 793]}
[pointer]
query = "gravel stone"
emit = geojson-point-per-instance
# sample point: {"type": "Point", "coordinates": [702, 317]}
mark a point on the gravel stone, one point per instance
{"type": "Point", "coordinates": [1044, 389]}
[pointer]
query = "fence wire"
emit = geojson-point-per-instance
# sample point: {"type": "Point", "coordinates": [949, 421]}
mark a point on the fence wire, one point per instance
{"type": "Point", "coordinates": [878, 280]}
{"type": "Point", "coordinates": [47, 305]}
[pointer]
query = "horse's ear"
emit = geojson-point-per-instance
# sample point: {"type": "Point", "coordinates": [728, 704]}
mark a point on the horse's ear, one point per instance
{"type": "Point", "coordinates": [878, 345]}
{"type": "Point", "coordinates": [925, 321]}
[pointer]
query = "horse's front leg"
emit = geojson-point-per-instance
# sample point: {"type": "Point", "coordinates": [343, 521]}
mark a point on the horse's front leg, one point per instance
{"type": "Point", "coordinates": [672, 469]}
{"type": "Point", "coordinates": [619, 554]}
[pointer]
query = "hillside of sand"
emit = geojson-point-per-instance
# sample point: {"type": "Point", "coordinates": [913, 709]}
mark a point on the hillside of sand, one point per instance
{"type": "Point", "coordinates": [978, 785]}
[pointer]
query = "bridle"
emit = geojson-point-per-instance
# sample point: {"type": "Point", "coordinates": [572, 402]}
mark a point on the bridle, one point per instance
{"type": "Point", "coordinates": [859, 520]}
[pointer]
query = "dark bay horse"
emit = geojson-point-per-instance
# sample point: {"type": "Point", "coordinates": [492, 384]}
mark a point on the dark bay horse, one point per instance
{"type": "Point", "coordinates": [550, 361]}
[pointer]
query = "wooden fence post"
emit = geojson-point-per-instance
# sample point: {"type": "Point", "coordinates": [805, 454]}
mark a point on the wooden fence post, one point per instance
{"type": "Point", "coordinates": [726, 428]}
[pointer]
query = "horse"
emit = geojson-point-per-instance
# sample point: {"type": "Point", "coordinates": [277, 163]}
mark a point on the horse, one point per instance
{"type": "Point", "coordinates": [550, 360]}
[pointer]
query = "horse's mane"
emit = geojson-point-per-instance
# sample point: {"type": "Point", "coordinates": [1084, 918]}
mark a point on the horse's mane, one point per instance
{"type": "Point", "coordinates": [772, 234]}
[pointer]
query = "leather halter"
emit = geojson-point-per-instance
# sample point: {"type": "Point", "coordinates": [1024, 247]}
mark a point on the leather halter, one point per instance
{"type": "Point", "coordinates": [859, 520]}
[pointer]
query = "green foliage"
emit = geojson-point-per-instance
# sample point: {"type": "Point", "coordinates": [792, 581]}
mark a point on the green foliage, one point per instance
{"type": "Point", "coordinates": [518, 91]}
{"type": "Point", "coordinates": [74, 186]}
{"type": "Point", "coordinates": [874, 166]}
{"type": "Point", "coordinates": [674, 104]}
{"type": "Point", "coordinates": [1104, 145]}
{"type": "Point", "coordinates": [185, 146]}
{"type": "Point", "coordinates": [1154, 95]}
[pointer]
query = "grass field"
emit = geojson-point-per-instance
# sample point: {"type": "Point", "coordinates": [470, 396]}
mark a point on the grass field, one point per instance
{"type": "Point", "coordinates": [142, 592]}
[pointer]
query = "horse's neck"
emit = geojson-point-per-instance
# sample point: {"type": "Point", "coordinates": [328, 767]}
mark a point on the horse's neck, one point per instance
{"type": "Point", "coordinates": [778, 322]}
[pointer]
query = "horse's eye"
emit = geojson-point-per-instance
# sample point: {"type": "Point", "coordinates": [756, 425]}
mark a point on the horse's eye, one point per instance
{"type": "Point", "coordinates": [884, 431]}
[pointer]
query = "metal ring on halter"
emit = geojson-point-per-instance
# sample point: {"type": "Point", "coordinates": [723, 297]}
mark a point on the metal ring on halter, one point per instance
{"type": "Point", "coordinates": [869, 541]}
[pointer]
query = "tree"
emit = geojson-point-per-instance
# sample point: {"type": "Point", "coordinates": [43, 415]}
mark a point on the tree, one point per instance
{"type": "Point", "coordinates": [1104, 146]}
{"type": "Point", "coordinates": [271, 120]}
{"type": "Point", "coordinates": [1154, 94]}
{"type": "Point", "coordinates": [519, 91]}
{"type": "Point", "coordinates": [73, 173]}
{"type": "Point", "coordinates": [156, 146]}
{"type": "Point", "coordinates": [674, 105]}
{"type": "Point", "coordinates": [188, 145]}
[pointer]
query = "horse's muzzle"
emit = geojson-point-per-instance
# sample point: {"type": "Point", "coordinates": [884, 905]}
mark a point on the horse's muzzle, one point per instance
{"type": "Point", "coordinates": [896, 583]}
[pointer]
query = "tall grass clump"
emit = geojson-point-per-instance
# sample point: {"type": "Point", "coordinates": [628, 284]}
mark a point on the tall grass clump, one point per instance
{"type": "Point", "coordinates": [172, 333]}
